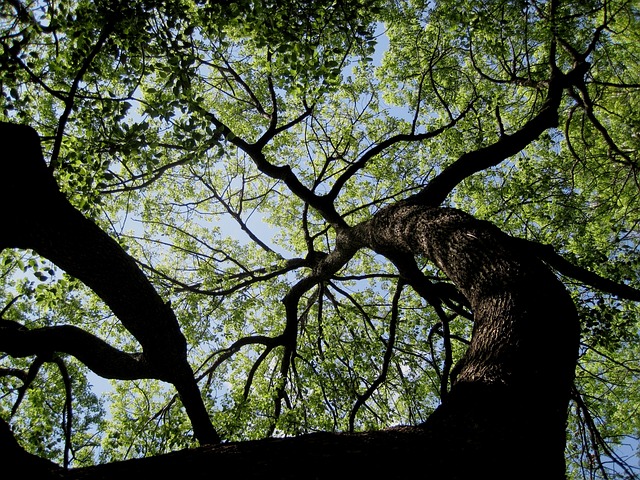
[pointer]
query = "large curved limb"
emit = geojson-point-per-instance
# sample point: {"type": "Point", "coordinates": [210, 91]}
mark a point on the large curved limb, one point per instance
{"type": "Point", "coordinates": [38, 216]}
{"type": "Point", "coordinates": [103, 359]}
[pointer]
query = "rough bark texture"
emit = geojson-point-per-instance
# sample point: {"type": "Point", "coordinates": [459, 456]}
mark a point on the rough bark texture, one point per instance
{"type": "Point", "coordinates": [507, 408]}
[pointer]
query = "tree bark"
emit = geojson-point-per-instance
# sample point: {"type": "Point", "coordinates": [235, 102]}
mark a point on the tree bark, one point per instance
{"type": "Point", "coordinates": [507, 407]}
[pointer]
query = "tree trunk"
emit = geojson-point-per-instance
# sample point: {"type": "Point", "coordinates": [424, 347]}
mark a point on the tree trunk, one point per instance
{"type": "Point", "coordinates": [506, 411]}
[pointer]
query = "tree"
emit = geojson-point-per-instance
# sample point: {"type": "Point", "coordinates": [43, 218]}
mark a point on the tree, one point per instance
{"type": "Point", "coordinates": [257, 226]}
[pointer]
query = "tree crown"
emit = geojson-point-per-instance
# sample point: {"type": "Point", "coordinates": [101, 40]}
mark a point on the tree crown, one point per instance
{"type": "Point", "coordinates": [235, 149]}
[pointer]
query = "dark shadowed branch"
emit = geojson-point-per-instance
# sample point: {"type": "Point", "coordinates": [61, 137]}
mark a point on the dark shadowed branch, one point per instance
{"type": "Point", "coordinates": [548, 254]}
{"type": "Point", "coordinates": [508, 145]}
{"type": "Point", "coordinates": [103, 359]}
{"type": "Point", "coordinates": [39, 217]}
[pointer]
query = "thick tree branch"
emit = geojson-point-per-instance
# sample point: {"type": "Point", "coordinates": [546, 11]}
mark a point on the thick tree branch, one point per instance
{"type": "Point", "coordinates": [323, 205]}
{"type": "Point", "coordinates": [103, 359]}
{"type": "Point", "coordinates": [505, 287]}
{"type": "Point", "coordinates": [508, 145]}
{"type": "Point", "coordinates": [38, 216]}
{"type": "Point", "coordinates": [548, 254]}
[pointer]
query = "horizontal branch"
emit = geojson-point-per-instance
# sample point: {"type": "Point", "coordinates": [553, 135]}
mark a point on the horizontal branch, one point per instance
{"type": "Point", "coordinates": [103, 359]}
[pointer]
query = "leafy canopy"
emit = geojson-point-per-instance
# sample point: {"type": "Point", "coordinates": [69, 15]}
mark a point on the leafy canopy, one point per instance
{"type": "Point", "coordinates": [206, 137]}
